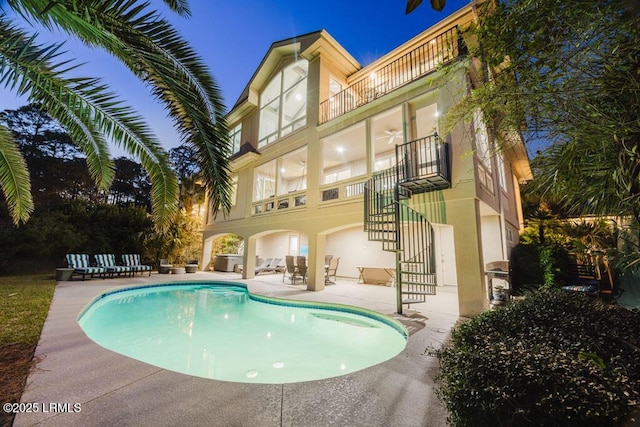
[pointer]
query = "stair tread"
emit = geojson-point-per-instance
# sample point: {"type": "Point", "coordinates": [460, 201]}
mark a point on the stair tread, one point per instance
{"type": "Point", "coordinates": [412, 301]}
{"type": "Point", "coordinates": [404, 282]}
{"type": "Point", "coordinates": [418, 293]}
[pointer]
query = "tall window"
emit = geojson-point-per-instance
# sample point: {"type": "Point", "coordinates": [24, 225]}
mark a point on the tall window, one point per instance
{"type": "Point", "coordinates": [502, 176]}
{"type": "Point", "coordinates": [287, 174]}
{"type": "Point", "coordinates": [283, 103]}
{"type": "Point", "coordinates": [234, 190]}
{"type": "Point", "coordinates": [483, 152]}
{"type": "Point", "coordinates": [264, 185]}
{"type": "Point", "coordinates": [344, 155]}
{"type": "Point", "coordinates": [292, 172]}
{"type": "Point", "coordinates": [386, 133]}
{"type": "Point", "coordinates": [482, 141]}
{"type": "Point", "coordinates": [235, 136]}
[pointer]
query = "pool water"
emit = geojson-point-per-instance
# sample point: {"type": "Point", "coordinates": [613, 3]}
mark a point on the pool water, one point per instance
{"type": "Point", "coordinates": [221, 331]}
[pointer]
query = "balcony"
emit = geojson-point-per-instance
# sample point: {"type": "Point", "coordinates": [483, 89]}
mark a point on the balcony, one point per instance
{"type": "Point", "coordinates": [423, 165]}
{"type": "Point", "coordinates": [416, 64]}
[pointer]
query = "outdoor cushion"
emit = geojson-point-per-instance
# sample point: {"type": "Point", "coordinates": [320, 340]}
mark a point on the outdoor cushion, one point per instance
{"type": "Point", "coordinates": [108, 261]}
{"type": "Point", "coordinates": [80, 265]}
{"type": "Point", "coordinates": [133, 261]}
{"type": "Point", "coordinates": [585, 289]}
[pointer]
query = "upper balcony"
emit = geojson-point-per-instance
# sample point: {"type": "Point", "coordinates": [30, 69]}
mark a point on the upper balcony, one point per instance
{"type": "Point", "coordinates": [412, 66]}
{"type": "Point", "coordinates": [423, 165]}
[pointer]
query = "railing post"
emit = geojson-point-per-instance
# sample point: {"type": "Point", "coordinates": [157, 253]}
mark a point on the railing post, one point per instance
{"type": "Point", "coordinates": [398, 225]}
{"type": "Point", "coordinates": [462, 46]}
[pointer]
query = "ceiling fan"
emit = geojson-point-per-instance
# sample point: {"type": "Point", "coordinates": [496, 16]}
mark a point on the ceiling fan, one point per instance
{"type": "Point", "coordinates": [391, 134]}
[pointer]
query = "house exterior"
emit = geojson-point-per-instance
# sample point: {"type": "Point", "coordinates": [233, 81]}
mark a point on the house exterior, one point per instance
{"type": "Point", "coordinates": [331, 157]}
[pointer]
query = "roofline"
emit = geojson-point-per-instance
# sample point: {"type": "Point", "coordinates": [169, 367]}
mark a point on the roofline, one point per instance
{"type": "Point", "coordinates": [244, 95]}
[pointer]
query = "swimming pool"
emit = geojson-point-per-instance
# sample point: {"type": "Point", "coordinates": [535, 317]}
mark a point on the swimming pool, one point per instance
{"type": "Point", "coordinates": [221, 331]}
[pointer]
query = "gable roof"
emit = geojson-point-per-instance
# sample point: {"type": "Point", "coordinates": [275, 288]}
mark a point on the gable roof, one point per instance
{"type": "Point", "coordinates": [307, 46]}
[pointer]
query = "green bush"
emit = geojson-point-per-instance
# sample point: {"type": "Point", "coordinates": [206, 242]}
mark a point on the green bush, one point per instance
{"type": "Point", "coordinates": [70, 226]}
{"type": "Point", "coordinates": [525, 267]}
{"type": "Point", "coordinates": [554, 261]}
{"type": "Point", "coordinates": [534, 265]}
{"type": "Point", "coordinates": [553, 358]}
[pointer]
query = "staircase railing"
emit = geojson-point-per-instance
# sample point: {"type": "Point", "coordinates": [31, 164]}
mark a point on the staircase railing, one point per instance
{"type": "Point", "coordinates": [401, 230]}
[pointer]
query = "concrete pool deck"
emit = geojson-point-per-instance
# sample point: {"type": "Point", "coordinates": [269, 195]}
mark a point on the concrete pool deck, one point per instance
{"type": "Point", "coordinates": [111, 389]}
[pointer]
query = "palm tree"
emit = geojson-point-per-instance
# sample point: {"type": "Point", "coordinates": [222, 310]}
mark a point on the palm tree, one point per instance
{"type": "Point", "coordinates": [435, 5]}
{"type": "Point", "coordinates": [155, 53]}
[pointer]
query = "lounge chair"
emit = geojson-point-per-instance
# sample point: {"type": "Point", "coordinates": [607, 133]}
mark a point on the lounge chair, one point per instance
{"type": "Point", "coordinates": [133, 261]}
{"type": "Point", "coordinates": [108, 261]}
{"type": "Point", "coordinates": [264, 266]}
{"type": "Point", "coordinates": [277, 265]}
{"type": "Point", "coordinates": [80, 265]}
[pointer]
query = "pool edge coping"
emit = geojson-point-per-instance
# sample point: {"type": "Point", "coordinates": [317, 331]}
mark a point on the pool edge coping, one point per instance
{"type": "Point", "coordinates": [372, 314]}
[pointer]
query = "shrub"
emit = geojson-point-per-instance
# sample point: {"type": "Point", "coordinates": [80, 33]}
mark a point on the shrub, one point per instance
{"type": "Point", "coordinates": [553, 358]}
{"type": "Point", "coordinates": [534, 265]}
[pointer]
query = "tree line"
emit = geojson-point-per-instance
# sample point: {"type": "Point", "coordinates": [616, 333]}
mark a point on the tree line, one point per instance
{"type": "Point", "coordinates": [70, 213]}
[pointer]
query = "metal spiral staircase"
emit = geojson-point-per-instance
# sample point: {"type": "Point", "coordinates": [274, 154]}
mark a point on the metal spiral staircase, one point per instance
{"type": "Point", "coordinates": [421, 165]}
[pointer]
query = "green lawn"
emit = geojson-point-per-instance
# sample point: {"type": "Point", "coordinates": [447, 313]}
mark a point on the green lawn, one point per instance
{"type": "Point", "coordinates": [24, 304]}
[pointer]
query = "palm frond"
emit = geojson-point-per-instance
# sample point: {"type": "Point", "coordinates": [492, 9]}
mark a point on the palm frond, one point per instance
{"type": "Point", "coordinates": [14, 179]}
{"type": "Point", "coordinates": [181, 7]}
{"type": "Point", "coordinates": [89, 112]}
{"type": "Point", "coordinates": [26, 67]}
{"type": "Point", "coordinates": [155, 52]}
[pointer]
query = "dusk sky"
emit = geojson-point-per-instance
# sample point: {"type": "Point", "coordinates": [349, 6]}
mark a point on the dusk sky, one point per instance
{"type": "Point", "coordinates": [233, 36]}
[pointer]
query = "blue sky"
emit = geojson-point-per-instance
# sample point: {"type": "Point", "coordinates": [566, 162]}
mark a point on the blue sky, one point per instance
{"type": "Point", "coordinates": [233, 36]}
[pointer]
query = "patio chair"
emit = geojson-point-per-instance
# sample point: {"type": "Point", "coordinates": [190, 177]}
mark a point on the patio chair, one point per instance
{"type": "Point", "coordinates": [108, 261]}
{"type": "Point", "coordinates": [264, 266]}
{"type": "Point", "coordinates": [331, 270]}
{"type": "Point", "coordinates": [80, 265]}
{"type": "Point", "coordinates": [133, 261]}
{"type": "Point", "coordinates": [301, 264]}
{"type": "Point", "coordinates": [291, 269]}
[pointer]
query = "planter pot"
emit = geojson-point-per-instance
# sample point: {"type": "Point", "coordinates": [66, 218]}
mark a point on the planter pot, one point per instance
{"type": "Point", "coordinates": [191, 268]}
{"type": "Point", "coordinates": [63, 274]}
{"type": "Point", "coordinates": [177, 270]}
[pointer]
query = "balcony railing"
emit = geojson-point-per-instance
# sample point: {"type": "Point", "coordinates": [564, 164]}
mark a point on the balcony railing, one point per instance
{"type": "Point", "coordinates": [410, 67]}
{"type": "Point", "coordinates": [287, 201]}
{"type": "Point", "coordinates": [342, 190]}
{"type": "Point", "coordinates": [423, 164]}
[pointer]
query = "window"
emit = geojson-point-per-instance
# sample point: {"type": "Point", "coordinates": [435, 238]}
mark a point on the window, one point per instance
{"type": "Point", "coordinates": [335, 87]}
{"type": "Point", "coordinates": [502, 176]}
{"type": "Point", "coordinates": [285, 175]}
{"type": "Point", "coordinates": [482, 152]}
{"type": "Point", "coordinates": [234, 190]}
{"type": "Point", "coordinates": [292, 174]}
{"type": "Point", "coordinates": [482, 141]}
{"type": "Point", "coordinates": [264, 186]}
{"type": "Point", "coordinates": [344, 155]}
{"type": "Point", "coordinates": [235, 135]}
{"type": "Point", "coordinates": [386, 133]}
{"type": "Point", "coordinates": [283, 103]}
